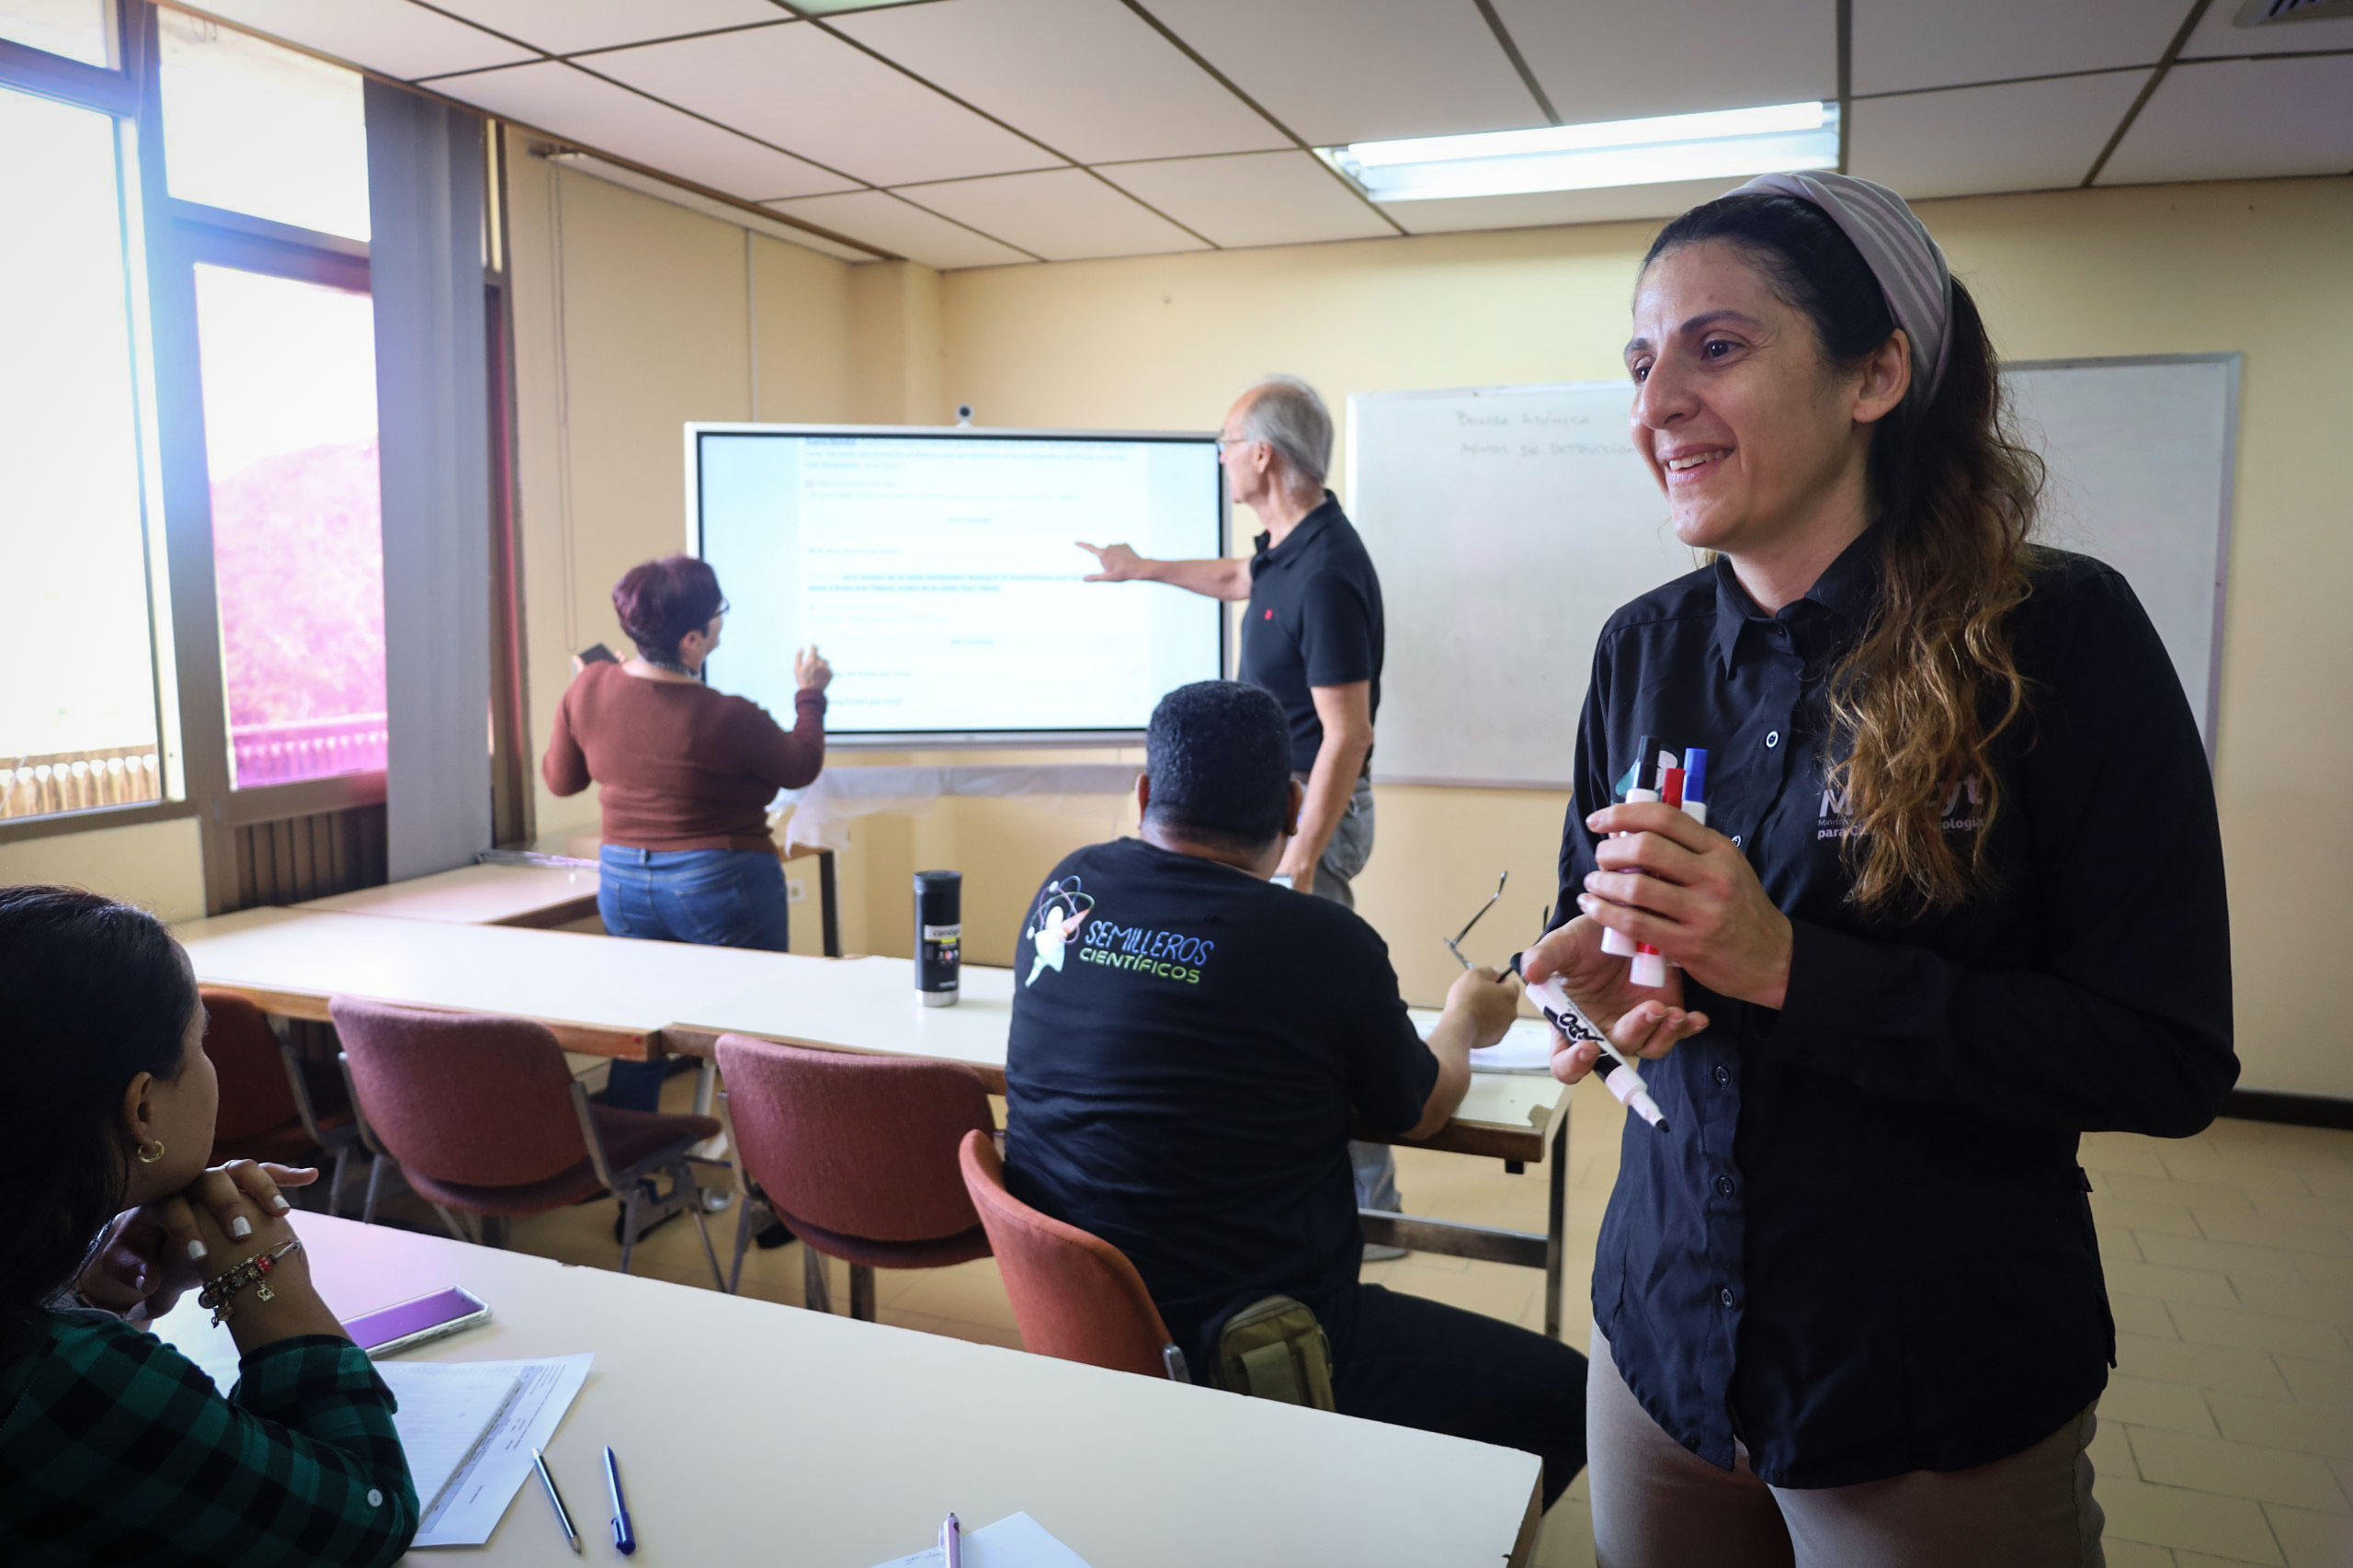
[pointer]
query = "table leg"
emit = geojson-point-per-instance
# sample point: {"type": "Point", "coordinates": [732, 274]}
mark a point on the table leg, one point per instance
{"type": "Point", "coordinates": [828, 903]}
{"type": "Point", "coordinates": [1555, 1223]}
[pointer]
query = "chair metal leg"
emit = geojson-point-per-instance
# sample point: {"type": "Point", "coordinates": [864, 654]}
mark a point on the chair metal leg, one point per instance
{"type": "Point", "coordinates": [457, 1228]}
{"type": "Point", "coordinates": [742, 1242]}
{"type": "Point", "coordinates": [497, 1229]}
{"type": "Point", "coordinates": [683, 1184]}
{"type": "Point", "coordinates": [814, 1292]}
{"type": "Point", "coordinates": [631, 1219]}
{"type": "Point", "coordinates": [861, 1292]}
{"type": "Point", "coordinates": [375, 1187]}
{"type": "Point", "coordinates": [335, 1179]}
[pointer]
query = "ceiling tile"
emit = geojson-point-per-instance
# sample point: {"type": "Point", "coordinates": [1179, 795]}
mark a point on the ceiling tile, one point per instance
{"type": "Point", "coordinates": [1061, 214]}
{"type": "Point", "coordinates": [561, 26]}
{"type": "Point", "coordinates": [568, 102]}
{"type": "Point", "coordinates": [1624, 61]}
{"type": "Point", "coordinates": [1085, 77]}
{"type": "Point", "coordinates": [1903, 44]}
{"type": "Point", "coordinates": [2024, 136]}
{"type": "Point", "coordinates": [797, 86]}
{"type": "Point", "coordinates": [1337, 71]}
{"type": "Point", "coordinates": [2242, 120]}
{"type": "Point", "coordinates": [884, 220]}
{"type": "Point", "coordinates": [1549, 208]}
{"type": "Point", "coordinates": [2215, 36]}
{"type": "Point", "coordinates": [393, 37]}
{"type": "Point", "coordinates": [1255, 199]}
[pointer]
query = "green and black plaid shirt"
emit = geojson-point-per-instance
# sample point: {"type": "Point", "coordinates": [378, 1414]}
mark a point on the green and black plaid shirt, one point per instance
{"type": "Point", "coordinates": [115, 1450]}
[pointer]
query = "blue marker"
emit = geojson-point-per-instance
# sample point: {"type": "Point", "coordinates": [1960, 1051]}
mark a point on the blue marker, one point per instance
{"type": "Point", "coordinates": [1695, 785]}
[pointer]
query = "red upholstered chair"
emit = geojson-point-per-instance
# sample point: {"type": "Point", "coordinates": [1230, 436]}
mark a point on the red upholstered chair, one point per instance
{"type": "Point", "coordinates": [1074, 1295]}
{"type": "Point", "coordinates": [267, 1111]}
{"type": "Point", "coordinates": [856, 1157]}
{"type": "Point", "coordinates": [485, 1119]}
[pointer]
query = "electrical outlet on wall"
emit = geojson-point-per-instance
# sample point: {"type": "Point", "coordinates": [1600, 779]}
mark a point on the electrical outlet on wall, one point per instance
{"type": "Point", "coordinates": [796, 889]}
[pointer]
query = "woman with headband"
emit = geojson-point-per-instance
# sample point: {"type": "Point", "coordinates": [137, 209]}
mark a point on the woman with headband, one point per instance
{"type": "Point", "coordinates": [1958, 899]}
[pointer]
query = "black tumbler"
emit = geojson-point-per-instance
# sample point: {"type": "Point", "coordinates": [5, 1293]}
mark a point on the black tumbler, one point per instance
{"type": "Point", "coordinates": [940, 936]}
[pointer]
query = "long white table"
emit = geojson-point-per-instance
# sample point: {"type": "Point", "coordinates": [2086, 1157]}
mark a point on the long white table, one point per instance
{"type": "Point", "coordinates": [537, 894]}
{"type": "Point", "coordinates": [612, 996]}
{"type": "Point", "coordinates": [750, 1432]}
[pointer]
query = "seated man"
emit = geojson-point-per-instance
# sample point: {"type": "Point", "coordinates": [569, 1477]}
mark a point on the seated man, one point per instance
{"type": "Point", "coordinates": [1189, 1044]}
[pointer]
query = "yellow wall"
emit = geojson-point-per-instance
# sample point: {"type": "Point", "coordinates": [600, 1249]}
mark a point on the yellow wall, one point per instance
{"type": "Point", "coordinates": [1166, 342]}
{"type": "Point", "coordinates": [158, 864]}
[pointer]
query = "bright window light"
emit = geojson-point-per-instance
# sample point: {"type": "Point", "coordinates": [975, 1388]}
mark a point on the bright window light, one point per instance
{"type": "Point", "coordinates": [1719, 144]}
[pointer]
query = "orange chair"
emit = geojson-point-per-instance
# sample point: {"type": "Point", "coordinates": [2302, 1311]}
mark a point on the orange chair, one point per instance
{"type": "Point", "coordinates": [266, 1109]}
{"type": "Point", "coordinates": [1074, 1295]}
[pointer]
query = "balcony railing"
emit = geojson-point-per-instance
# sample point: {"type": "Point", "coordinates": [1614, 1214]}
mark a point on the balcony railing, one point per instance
{"type": "Point", "coordinates": [308, 748]}
{"type": "Point", "coordinates": [79, 782]}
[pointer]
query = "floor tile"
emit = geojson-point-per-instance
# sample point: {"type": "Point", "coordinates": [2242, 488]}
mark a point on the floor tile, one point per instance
{"type": "Point", "coordinates": [2259, 1331]}
{"type": "Point", "coordinates": [2140, 1314]}
{"type": "Point", "coordinates": [2315, 1382]}
{"type": "Point", "coordinates": [2167, 1283]}
{"type": "Point", "coordinates": [2311, 1539]}
{"type": "Point", "coordinates": [2285, 1423]}
{"type": "Point", "coordinates": [2223, 1257]}
{"type": "Point", "coordinates": [2237, 1469]}
{"type": "Point", "coordinates": [2200, 1366]}
{"type": "Point", "coordinates": [2138, 1402]}
{"type": "Point", "coordinates": [2170, 1193]}
{"type": "Point", "coordinates": [2293, 1298]}
{"type": "Point", "coordinates": [2195, 1521]}
{"type": "Point", "coordinates": [2135, 1554]}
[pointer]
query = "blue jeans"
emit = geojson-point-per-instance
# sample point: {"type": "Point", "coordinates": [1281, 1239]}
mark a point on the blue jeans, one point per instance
{"type": "Point", "coordinates": [721, 898]}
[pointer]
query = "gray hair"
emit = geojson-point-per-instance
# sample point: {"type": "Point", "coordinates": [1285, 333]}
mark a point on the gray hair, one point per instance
{"type": "Point", "coordinates": [1287, 414]}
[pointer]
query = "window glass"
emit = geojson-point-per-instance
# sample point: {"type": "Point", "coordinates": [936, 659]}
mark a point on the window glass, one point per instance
{"type": "Point", "coordinates": [78, 30]}
{"type": "Point", "coordinates": [73, 556]}
{"type": "Point", "coordinates": [260, 129]}
{"type": "Point", "coordinates": [289, 371]}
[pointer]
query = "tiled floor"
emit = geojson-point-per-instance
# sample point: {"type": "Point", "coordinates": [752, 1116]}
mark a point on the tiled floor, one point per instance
{"type": "Point", "coordinates": [2226, 1434]}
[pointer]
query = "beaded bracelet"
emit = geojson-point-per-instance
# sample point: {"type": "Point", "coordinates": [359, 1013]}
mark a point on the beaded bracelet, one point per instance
{"type": "Point", "coordinates": [253, 1270]}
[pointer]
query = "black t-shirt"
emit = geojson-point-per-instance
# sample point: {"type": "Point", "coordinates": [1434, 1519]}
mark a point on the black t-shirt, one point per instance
{"type": "Point", "coordinates": [1315, 620]}
{"type": "Point", "coordinates": [1187, 1045]}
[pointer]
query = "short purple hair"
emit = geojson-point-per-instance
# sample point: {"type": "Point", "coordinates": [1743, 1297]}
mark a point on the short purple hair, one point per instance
{"type": "Point", "coordinates": [660, 601]}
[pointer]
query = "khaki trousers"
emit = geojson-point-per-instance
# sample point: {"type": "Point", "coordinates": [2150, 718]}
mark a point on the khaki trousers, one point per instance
{"type": "Point", "coordinates": [1657, 1505]}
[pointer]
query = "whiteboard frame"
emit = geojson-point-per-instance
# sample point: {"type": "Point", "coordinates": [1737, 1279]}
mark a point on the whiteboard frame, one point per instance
{"type": "Point", "coordinates": [965, 740]}
{"type": "Point", "coordinates": [2232, 360]}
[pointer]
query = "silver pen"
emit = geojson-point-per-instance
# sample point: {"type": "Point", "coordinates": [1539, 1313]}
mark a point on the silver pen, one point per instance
{"type": "Point", "coordinates": [555, 1499]}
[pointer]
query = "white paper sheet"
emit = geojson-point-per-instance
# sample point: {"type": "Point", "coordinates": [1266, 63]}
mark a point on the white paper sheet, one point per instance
{"type": "Point", "coordinates": [477, 1495]}
{"type": "Point", "coordinates": [1015, 1541]}
{"type": "Point", "coordinates": [1527, 1046]}
{"type": "Point", "coordinates": [446, 1410]}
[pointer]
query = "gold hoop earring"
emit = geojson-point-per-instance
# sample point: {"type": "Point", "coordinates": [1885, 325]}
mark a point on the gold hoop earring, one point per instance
{"type": "Point", "coordinates": [150, 1151]}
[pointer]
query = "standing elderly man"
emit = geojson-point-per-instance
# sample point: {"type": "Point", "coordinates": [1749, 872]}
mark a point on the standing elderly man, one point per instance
{"type": "Point", "coordinates": [1312, 637]}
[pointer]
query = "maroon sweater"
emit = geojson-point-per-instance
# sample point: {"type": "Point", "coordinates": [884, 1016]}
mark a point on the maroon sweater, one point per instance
{"type": "Point", "coordinates": [683, 766]}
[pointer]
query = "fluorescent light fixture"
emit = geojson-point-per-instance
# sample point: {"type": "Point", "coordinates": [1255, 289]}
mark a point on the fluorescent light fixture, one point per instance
{"type": "Point", "coordinates": [1719, 144]}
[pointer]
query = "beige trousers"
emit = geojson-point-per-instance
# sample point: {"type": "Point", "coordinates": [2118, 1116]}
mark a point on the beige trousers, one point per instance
{"type": "Point", "coordinates": [1657, 1505]}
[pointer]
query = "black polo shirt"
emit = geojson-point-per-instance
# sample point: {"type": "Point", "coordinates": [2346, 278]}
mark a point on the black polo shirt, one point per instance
{"type": "Point", "coordinates": [1315, 620]}
{"type": "Point", "coordinates": [1864, 1248]}
{"type": "Point", "coordinates": [1187, 1045]}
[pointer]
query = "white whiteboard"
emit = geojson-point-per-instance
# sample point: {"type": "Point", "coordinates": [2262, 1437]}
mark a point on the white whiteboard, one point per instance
{"type": "Point", "coordinates": [1509, 523]}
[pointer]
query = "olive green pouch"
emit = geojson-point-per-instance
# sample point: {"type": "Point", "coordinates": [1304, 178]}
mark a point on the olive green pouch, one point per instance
{"type": "Point", "coordinates": [1274, 1348]}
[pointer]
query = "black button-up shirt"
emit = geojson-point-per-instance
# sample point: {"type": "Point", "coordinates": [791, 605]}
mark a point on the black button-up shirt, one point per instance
{"type": "Point", "coordinates": [1865, 1246]}
{"type": "Point", "coordinates": [1315, 620]}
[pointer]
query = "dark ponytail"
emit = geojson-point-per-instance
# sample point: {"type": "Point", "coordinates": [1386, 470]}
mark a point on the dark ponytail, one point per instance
{"type": "Point", "coordinates": [92, 994]}
{"type": "Point", "coordinates": [1917, 703]}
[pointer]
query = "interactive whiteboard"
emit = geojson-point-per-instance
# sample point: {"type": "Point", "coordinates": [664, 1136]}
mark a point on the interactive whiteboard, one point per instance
{"type": "Point", "coordinates": [1509, 523]}
{"type": "Point", "coordinates": [937, 571]}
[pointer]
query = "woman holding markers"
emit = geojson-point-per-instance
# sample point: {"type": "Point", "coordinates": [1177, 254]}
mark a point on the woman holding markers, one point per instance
{"type": "Point", "coordinates": [1958, 899]}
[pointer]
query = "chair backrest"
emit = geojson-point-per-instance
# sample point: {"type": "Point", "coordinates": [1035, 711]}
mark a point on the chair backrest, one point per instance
{"type": "Point", "coordinates": [470, 1100]}
{"type": "Point", "coordinates": [1074, 1295]}
{"type": "Point", "coordinates": [256, 1096]}
{"type": "Point", "coordinates": [863, 1146]}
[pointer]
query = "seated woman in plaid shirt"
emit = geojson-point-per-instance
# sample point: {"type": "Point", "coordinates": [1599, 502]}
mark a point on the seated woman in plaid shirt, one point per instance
{"type": "Point", "coordinates": [114, 1449]}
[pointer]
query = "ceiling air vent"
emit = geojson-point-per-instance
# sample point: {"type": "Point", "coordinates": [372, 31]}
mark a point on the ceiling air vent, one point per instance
{"type": "Point", "coordinates": [2263, 13]}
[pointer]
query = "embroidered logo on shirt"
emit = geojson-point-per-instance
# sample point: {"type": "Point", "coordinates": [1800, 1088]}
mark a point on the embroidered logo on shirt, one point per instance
{"type": "Point", "coordinates": [1271, 612]}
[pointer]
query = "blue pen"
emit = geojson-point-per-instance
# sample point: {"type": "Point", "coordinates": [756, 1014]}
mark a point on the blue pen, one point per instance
{"type": "Point", "coordinates": [624, 1541]}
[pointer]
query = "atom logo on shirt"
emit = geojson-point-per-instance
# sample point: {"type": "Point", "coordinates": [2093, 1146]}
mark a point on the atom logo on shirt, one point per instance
{"type": "Point", "coordinates": [1061, 912]}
